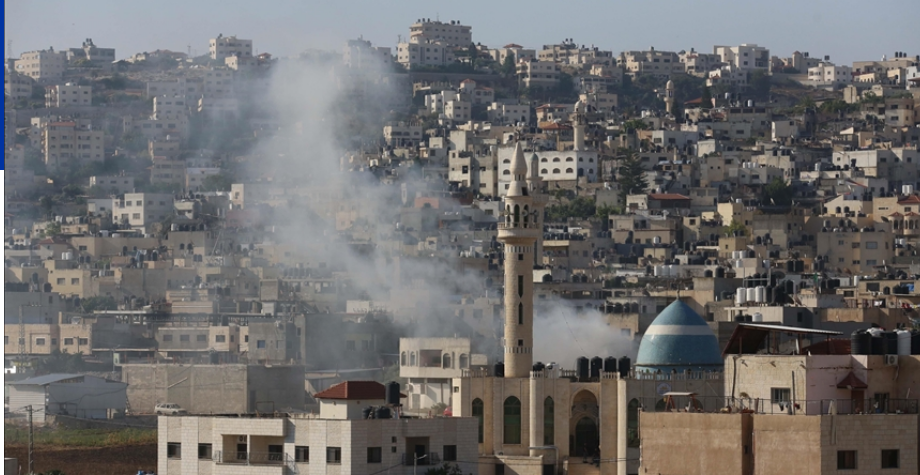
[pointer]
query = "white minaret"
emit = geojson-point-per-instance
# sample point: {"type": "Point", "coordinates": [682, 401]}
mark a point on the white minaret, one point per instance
{"type": "Point", "coordinates": [519, 232]}
{"type": "Point", "coordinates": [579, 126]}
{"type": "Point", "coordinates": [669, 97]}
{"type": "Point", "coordinates": [535, 184]}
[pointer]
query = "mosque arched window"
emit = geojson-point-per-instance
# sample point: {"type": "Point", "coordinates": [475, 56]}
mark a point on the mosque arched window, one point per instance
{"type": "Point", "coordinates": [549, 421]}
{"type": "Point", "coordinates": [512, 421]}
{"type": "Point", "coordinates": [479, 414]}
{"type": "Point", "coordinates": [517, 214]}
{"type": "Point", "coordinates": [402, 359]}
{"type": "Point", "coordinates": [569, 170]}
{"type": "Point", "coordinates": [445, 362]}
{"type": "Point", "coordinates": [569, 159]}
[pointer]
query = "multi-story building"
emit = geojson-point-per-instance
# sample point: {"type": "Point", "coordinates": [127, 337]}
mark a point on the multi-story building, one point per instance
{"type": "Point", "coordinates": [699, 64]}
{"type": "Point", "coordinates": [429, 364]}
{"type": "Point", "coordinates": [90, 52]}
{"type": "Point", "coordinates": [360, 53]}
{"type": "Point", "coordinates": [17, 85]}
{"type": "Point", "coordinates": [506, 114]}
{"type": "Point", "coordinates": [189, 88]}
{"type": "Point", "coordinates": [117, 183]}
{"type": "Point", "coordinates": [354, 432]}
{"type": "Point", "coordinates": [42, 65]}
{"type": "Point", "coordinates": [71, 142]}
{"type": "Point", "coordinates": [225, 46]}
{"type": "Point", "coordinates": [68, 95]}
{"type": "Point", "coordinates": [544, 74]}
{"type": "Point", "coordinates": [402, 134]}
{"type": "Point", "coordinates": [449, 33]}
{"type": "Point", "coordinates": [517, 52]}
{"type": "Point", "coordinates": [140, 210]}
{"type": "Point", "coordinates": [426, 53]}
{"type": "Point", "coordinates": [746, 57]}
{"type": "Point", "coordinates": [827, 74]}
{"type": "Point", "coordinates": [658, 63]}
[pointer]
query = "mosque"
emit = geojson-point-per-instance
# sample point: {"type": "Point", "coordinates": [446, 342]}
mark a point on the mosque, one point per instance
{"type": "Point", "coordinates": [536, 420]}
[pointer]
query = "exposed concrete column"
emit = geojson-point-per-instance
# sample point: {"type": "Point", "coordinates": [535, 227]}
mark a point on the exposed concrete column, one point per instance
{"type": "Point", "coordinates": [536, 415]}
{"type": "Point", "coordinates": [622, 417]}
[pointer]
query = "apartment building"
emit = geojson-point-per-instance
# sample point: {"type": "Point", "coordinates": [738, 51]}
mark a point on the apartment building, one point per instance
{"type": "Point", "coordinates": [543, 74]}
{"type": "Point", "coordinates": [426, 53]}
{"type": "Point", "coordinates": [569, 165]}
{"type": "Point", "coordinates": [856, 250]}
{"type": "Point", "coordinates": [828, 74]}
{"type": "Point", "coordinates": [190, 88]}
{"type": "Point", "coordinates": [140, 210]}
{"type": "Point", "coordinates": [402, 134]}
{"type": "Point", "coordinates": [508, 114]}
{"type": "Point", "coordinates": [341, 439]}
{"type": "Point", "coordinates": [170, 107]}
{"type": "Point", "coordinates": [71, 142]}
{"type": "Point", "coordinates": [42, 65]}
{"type": "Point", "coordinates": [196, 176]}
{"type": "Point", "coordinates": [117, 183]}
{"type": "Point", "coordinates": [518, 52]}
{"type": "Point", "coordinates": [223, 47]}
{"type": "Point", "coordinates": [746, 57]}
{"type": "Point", "coordinates": [17, 86]}
{"type": "Point", "coordinates": [450, 33]}
{"type": "Point", "coordinates": [429, 364]}
{"type": "Point", "coordinates": [68, 95]}
{"type": "Point", "coordinates": [699, 64]}
{"type": "Point", "coordinates": [360, 53]}
{"type": "Point", "coordinates": [659, 63]}
{"type": "Point", "coordinates": [88, 51]}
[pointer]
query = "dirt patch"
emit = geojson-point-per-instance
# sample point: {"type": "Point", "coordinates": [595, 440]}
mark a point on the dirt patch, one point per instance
{"type": "Point", "coordinates": [88, 461]}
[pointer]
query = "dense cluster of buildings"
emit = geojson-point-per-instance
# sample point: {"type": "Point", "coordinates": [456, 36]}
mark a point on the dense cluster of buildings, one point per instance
{"type": "Point", "coordinates": [748, 264]}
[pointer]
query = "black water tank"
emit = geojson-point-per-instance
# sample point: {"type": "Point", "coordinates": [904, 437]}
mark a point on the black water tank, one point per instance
{"type": "Point", "coordinates": [538, 366]}
{"type": "Point", "coordinates": [860, 343]}
{"type": "Point", "coordinates": [790, 266]}
{"type": "Point", "coordinates": [890, 343]}
{"type": "Point", "coordinates": [597, 363]}
{"type": "Point", "coordinates": [720, 272]}
{"type": "Point", "coordinates": [800, 266]}
{"type": "Point", "coordinates": [498, 370]}
{"type": "Point", "coordinates": [623, 366]}
{"type": "Point", "coordinates": [392, 393]}
{"type": "Point", "coordinates": [876, 345]}
{"type": "Point", "coordinates": [366, 413]}
{"type": "Point", "coordinates": [915, 342]}
{"type": "Point", "coordinates": [610, 364]}
{"type": "Point", "coordinates": [382, 412]}
{"type": "Point", "coordinates": [581, 367]}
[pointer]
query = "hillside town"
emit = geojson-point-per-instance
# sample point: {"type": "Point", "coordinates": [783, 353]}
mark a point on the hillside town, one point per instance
{"type": "Point", "coordinates": [431, 255]}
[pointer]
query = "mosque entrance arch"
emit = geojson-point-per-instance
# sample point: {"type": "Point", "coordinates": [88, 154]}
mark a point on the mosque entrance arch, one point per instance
{"type": "Point", "coordinates": [584, 438]}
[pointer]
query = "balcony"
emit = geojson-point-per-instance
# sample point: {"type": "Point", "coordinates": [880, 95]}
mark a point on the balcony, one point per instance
{"type": "Point", "coordinates": [253, 458]}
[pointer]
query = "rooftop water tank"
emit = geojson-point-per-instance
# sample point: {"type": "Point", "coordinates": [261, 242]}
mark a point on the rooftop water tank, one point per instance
{"type": "Point", "coordinates": [903, 342]}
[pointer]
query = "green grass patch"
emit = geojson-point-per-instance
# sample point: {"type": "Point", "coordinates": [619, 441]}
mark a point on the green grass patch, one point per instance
{"type": "Point", "coordinates": [80, 437]}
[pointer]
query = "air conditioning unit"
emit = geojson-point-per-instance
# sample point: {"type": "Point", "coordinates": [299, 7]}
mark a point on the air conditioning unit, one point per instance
{"type": "Point", "coordinates": [891, 360]}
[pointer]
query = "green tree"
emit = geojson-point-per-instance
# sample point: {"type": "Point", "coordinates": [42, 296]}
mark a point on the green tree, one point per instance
{"type": "Point", "coordinates": [72, 191]}
{"type": "Point", "coordinates": [635, 124]}
{"type": "Point", "coordinates": [778, 193]}
{"type": "Point", "coordinates": [580, 207]}
{"type": "Point", "coordinates": [706, 101]}
{"type": "Point", "coordinates": [91, 304]}
{"type": "Point", "coordinates": [46, 203]}
{"type": "Point", "coordinates": [508, 65]}
{"type": "Point", "coordinates": [446, 469]}
{"type": "Point", "coordinates": [760, 85]}
{"type": "Point", "coordinates": [60, 362]}
{"type": "Point", "coordinates": [735, 226]}
{"type": "Point", "coordinates": [52, 229]}
{"type": "Point", "coordinates": [631, 177]}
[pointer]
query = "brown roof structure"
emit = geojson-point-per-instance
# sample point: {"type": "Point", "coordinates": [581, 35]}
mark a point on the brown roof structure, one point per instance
{"type": "Point", "coordinates": [355, 390]}
{"type": "Point", "coordinates": [852, 382]}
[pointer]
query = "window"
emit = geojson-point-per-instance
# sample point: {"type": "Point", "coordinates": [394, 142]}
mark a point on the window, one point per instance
{"type": "Point", "coordinates": [173, 450]}
{"type": "Point", "coordinates": [374, 455]}
{"type": "Point", "coordinates": [204, 451]}
{"type": "Point", "coordinates": [40, 341]}
{"type": "Point", "coordinates": [478, 414]}
{"type": "Point", "coordinates": [512, 422]}
{"type": "Point", "coordinates": [75, 281]}
{"type": "Point", "coordinates": [450, 453]}
{"type": "Point", "coordinates": [60, 281]}
{"type": "Point", "coordinates": [203, 338]}
{"type": "Point", "coordinates": [184, 338]}
{"type": "Point", "coordinates": [846, 460]}
{"type": "Point", "coordinates": [220, 338]}
{"type": "Point", "coordinates": [520, 314]}
{"type": "Point", "coordinates": [871, 245]}
{"type": "Point", "coordinates": [136, 216]}
{"type": "Point", "coordinates": [301, 453]}
{"type": "Point", "coordinates": [890, 459]}
{"type": "Point", "coordinates": [68, 341]}
{"type": "Point", "coordinates": [549, 413]}
{"type": "Point", "coordinates": [260, 344]}
{"type": "Point", "coordinates": [333, 455]}
{"type": "Point", "coordinates": [276, 453]}
{"type": "Point", "coordinates": [780, 395]}
{"type": "Point", "coordinates": [83, 341]}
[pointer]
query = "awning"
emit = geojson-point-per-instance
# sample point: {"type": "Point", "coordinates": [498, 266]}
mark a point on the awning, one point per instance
{"type": "Point", "coordinates": [851, 382]}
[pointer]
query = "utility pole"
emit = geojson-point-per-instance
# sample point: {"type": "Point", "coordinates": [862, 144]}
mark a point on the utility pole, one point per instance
{"type": "Point", "coordinates": [31, 452]}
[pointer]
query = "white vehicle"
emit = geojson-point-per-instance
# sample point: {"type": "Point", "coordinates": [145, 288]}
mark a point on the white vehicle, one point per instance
{"type": "Point", "coordinates": [169, 409]}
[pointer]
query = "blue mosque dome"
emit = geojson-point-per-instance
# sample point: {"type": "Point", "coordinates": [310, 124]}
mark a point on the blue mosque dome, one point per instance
{"type": "Point", "coordinates": [679, 339]}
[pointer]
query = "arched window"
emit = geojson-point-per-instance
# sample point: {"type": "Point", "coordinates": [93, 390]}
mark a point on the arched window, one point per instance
{"type": "Point", "coordinates": [464, 361]}
{"type": "Point", "coordinates": [590, 171]}
{"type": "Point", "coordinates": [569, 170]}
{"type": "Point", "coordinates": [570, 159]}
{"type": "Point", "coordinates": [517, 214]}
{"type": "Point", "coordinates": [478, 414]}
{"type": "Point", "coordinates": [544, 171]}
{"type": "Point", "coordinates": [402, 359]}
{"type": "Point", "coordinates": [512, 421]}
{"type": "Point", "coordinates": [590, 160]}
{"type": "Point", "coordinates": [632, 423]}
{"type": "Point", "coordinates": [555, 170]}
{"type": "Point", "coordinates": [581, 172]}
{"type": "Point", "coordinates": [555, 159]}
{"type": "Point", "coordinates": [543, 160]}
{"type": "Point", "coordinates": [520, 314]}
{"type": "Point", "coordinates": [549, 413]}
{"type": "Point", "coordinates": [507, 160]}
{"type": "Point", "coordinates": [581, 159]}
{"type": "Point", "coordinates": [586, 437]}
{"type": "Point", "coordinates": [445, 362]}
{"type": "Point", "coordinates": [506, 172]}
{"type": "Point", "coordinates": [412, 359]}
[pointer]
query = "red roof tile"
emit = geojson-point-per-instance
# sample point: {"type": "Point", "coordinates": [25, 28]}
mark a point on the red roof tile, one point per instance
{"type": "Point", "coordinates": [355, 390]}
{"type": "Point", "coordinates": [912, 199]}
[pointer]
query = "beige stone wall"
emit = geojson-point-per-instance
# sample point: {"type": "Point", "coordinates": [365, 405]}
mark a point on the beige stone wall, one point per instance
{"type": "Point", "coordinates": [868, 435]}
{"type": "Point", "coordinates": [695, 444]}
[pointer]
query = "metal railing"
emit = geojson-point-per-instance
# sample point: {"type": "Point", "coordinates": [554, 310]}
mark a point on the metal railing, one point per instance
{"type": "Point", "coordinates": [251, 458]}
{"type": "Point", "coordinates": [430, 458]}
{"type": "Point", "coordinates": [716, 404]}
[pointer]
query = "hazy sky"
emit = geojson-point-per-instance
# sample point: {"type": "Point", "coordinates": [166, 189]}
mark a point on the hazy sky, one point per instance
{"type": "Point", "coordinates": [847, 30]}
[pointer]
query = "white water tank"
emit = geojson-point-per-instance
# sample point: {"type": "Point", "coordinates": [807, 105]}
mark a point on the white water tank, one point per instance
{"type": "Point", "coordinates": [760, 294]}
{"type": "Point", "coordinates": [658, 271]}
{"type": "Point", "coordinates": [907, 189]}
{"type": "Point", "coordinates": [673, 271]}
{"type": "Point", "coordinates": [751, 294]}
{"type": "Point", "coordinates": [757, 318]}
{"type": "Point", "coordinates": [855, 281]}
{"type": "Point", "coordinates": [67, 255]}
{"type": "Point", "coordinates": [903, 342]}
{"type": "Point", "coordinates": [656, 240]}
{"type": "Point", "coordinates": [740, 296]}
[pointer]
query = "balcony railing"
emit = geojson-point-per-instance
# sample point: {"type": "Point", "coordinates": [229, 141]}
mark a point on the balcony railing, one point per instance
{"type": "Point", "coordinates": [252, 458]}
{"type": "Point", "coordinates": [431, 458]}
{"type": "Point", "coordinates": [712, 404]}
{"type": "Point", "coordinates": [520, 225]}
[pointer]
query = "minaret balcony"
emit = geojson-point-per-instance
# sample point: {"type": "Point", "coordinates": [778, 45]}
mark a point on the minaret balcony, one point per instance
{"type": "Point", "coordinates": [521, 226]}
